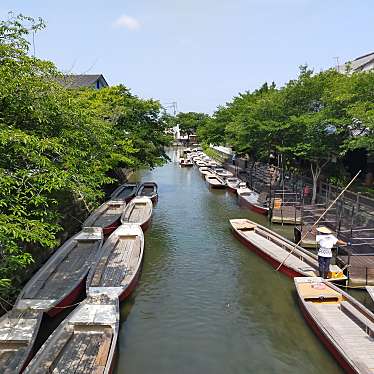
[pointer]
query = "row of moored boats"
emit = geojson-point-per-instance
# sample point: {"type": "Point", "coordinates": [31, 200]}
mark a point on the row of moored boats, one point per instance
{"type": "Point", "coordinates": [104, 260]}
{"type": "Point", "coordinates": [218, 177]}
{"type": "Point", "coordinates": [343, 324]}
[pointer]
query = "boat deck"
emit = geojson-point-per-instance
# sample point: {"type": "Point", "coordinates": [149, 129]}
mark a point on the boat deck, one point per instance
{"type": "Point", "coordinates": [251, 198]}
{"type": "Point", "coordinates": [138, 213]}
{"type": "Point", "coordinates": [147, 191]}
{"type": "Point", "coordinates": [116, 266]}
{"type": "Point", "coordinates": [18, 329]}
{"type": "Point", "coordinates": [214, 180]}
{"type": "Point", "coordinates": [83, 351]}
{"type": "Point", "coordinates": [346, 334]}
{"type": "Point", "coordinates": [107, 217]}
{"type": "Point", "coordinates": [82, 344]}
{"type": "Point", "coordinates": [56, 280]}
{"type": "Point", "coordinates": [124, 192]}
{"type": "Point", "coordinates": [279, 253]}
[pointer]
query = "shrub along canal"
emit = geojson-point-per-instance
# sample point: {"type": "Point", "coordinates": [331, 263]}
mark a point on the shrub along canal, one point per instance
{"type": "Point", "coordinates": [205, 304]}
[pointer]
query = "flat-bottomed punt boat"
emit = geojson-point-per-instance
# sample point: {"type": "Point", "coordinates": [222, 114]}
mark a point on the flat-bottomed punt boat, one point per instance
{"type": "Point", "coordinates": [18, 330]}
{"type": "Point", "coordinates": [185, 162]}
{"type": "Point", "coordinates": [295, 261]}
{"type": "Point", "coordinates": [107, 216]}
{"type": "Point", "coordinates": [148, 189]}
{"type": "Point", "coordinates": [85, 342]}
{"type": "Point", "coordinates": [62, 278]}
{"type": "Point", "coordinates": [343, 324]}
{"type": "Point", "coordinates": [204, 170]}
{"type": "Point", "coordinates": [200, 163]}
{"type": "Point", "coordinates": [213, 164]}
{"type": "Point", "coordinates": [254, 201]}
{"type": "Point", "coordinates": [215, 181]}
{"type": "Point", "coordinates": [233, 183]}
{"type": "Point", "coordinates": [119, 264]}
{"type": "Point", "coordinates": [125, 192]}
{"type": "Point", "coordinates": [138, 211]}
{"type": "Point", "coordinates": [223, 173]}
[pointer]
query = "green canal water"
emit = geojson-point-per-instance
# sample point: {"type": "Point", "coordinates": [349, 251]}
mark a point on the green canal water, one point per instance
{"type": "Point", "coordinates": [204, 303]}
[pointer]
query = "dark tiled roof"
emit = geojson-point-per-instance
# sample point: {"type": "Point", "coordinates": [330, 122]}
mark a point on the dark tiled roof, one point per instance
{"type": "Point", "coordinates": [84, 80]}
{"type": "Point", "coordinates": [358, 64]}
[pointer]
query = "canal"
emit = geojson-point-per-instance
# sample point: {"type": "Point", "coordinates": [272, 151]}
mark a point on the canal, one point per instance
{"type": "Point", "coordinates": [205, 304]}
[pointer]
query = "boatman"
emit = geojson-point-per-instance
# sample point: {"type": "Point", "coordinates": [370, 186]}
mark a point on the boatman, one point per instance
{"type": "Point", "coordinates": [326, 241]}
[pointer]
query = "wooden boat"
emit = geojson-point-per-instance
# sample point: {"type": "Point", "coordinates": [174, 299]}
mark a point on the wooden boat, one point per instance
{"type": "Point", "coordinates": [223, 173]}
{"type": "Point", "coordinates": [200, 164]}
{"type": "Point", "coordinates": [275, 249]}
{"type": "Point", "coordinates": [215, 181]}
{"type": "Point", "coordinates": [85, 342]}
{"type": "Point", "coordinates": [233, 183]}
{"type": "Point", "coordinates": [125, 192]}
{"type": "Point", "coordinates": [119, 264]}
{"type": "Point", "coordinates": [148, 189]}
{"type": "Point", "coordinates": [107, 216]}
{"type": "Point", "coordinates": [62, 278]}
{"type": "Point", "coordinates": [343, 324]}
{"type": "Point", "coordinates": [213, 164]}
{"type": "Point", "coordinates": [242, 189]}
{"type": "Point", "coordinates": [138, 211]}
{"type": "Point", "coordinates": [185, 162]}
{"type": "Point", "coordinates": [196, 158]}
{"type": "Point", "coordinates": [204, 170]}
{"type": "Point", "coordinates": [18, 331]}
{"type": "Point", "coordinates": [254, 201]}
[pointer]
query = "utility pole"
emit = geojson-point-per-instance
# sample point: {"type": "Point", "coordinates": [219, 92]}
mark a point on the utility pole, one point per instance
{"type": "Point", "coordinates": [337, 63]}
{"type": "Point", "coordinates": [172, 105]}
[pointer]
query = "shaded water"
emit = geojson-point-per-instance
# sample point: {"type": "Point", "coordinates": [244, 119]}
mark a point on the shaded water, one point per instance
{"type": "Point", "coordinates": [205, 304]}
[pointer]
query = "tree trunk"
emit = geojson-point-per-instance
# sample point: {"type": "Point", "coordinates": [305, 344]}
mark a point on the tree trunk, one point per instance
{"type": "Point", "coordinates": [315, 174]}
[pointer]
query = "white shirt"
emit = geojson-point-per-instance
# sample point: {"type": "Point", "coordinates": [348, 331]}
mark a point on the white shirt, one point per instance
{"type": "Point", "coordinates": [326, 242]}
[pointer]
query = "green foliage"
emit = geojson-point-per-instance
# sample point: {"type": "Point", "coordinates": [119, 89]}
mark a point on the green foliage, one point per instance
{"type": "Point", "coordinates": [189, 122]}
{"type": "Point", "coordinates": [215, 154]}
{"type": "Point", "coordinates": [57, 148]}
{"type": "Point", "coordinates": [310, 121]}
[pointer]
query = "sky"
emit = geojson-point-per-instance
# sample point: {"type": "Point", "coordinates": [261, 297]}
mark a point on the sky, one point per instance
{"type": "Point", "coordinates": [198, 53]}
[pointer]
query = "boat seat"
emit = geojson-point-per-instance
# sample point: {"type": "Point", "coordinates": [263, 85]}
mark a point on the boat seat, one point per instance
{"type": "Point", "coordinates": [363, 322]}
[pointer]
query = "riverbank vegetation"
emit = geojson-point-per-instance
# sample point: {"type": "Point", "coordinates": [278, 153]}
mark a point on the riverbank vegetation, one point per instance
{"type": "Point", "coordinates": [58, 149]}
{"type": "Point", "coordinates": [314, 122]}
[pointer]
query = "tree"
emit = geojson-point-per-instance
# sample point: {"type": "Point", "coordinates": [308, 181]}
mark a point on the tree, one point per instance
{"type": "Point", "coordinates": [58, 148]}
{"type": "Point", "coordinates": [189, 122]}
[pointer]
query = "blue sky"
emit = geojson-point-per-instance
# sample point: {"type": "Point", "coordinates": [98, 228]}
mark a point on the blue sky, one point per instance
{"type": "Point", "coordinates": [199, 53]}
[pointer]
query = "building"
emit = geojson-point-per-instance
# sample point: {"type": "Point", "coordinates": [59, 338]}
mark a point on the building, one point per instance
{"type": "Point", "coordinates": [95, 81]}
{"type": "Point", "coordinates": [362, 63]}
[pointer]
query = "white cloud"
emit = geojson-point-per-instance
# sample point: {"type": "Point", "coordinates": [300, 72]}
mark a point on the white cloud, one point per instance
{"type": "Point", "coordinates": [127, 22]}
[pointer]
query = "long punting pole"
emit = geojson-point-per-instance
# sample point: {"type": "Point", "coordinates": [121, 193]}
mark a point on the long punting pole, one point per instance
{"type": "Point", "coordinates": [316, 223]}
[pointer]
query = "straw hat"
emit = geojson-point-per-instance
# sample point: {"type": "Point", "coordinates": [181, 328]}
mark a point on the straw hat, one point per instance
{"type": "Point", "coordinates": [324, 230]}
